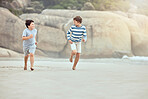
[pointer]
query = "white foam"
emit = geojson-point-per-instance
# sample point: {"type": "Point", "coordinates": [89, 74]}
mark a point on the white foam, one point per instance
{"type": "Point", "coordinates": [136, 58]}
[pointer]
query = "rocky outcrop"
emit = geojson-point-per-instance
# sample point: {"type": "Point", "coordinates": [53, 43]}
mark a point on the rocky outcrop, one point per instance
{"type": "Point", "coordinates": [50, 40]}
{"type": "Point", "coordinates": [110, 34]}
{"type": "Point", "coordinates": [105, 36]}
{"type": "Point", "coordinates": [59, 12]}
{"type": "Point", "coordinates": [9, 53]}
{"type": "Point", "coordinates": [22, 6]}
{"type": "Point", "coordinates": [15, 4]}
{"type": "Point", "coordinates": [137, 25]}
{"type": "Point", "coordinates": [46, 20]}
{"type": "Point", "coordinates": [34, 7]}
{"type": "Point", "coordinates": [88, 6]}
{"type": "Point", "coordinates": [140, 37]}
{"type": "Point", "coordinates": [10, 31]}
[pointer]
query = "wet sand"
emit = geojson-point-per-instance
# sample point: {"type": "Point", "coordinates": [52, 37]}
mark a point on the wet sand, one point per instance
{"type": "Point", "coordinates": [93, 79]}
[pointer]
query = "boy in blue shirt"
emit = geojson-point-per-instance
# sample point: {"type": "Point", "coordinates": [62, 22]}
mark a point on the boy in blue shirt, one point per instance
{"type": "Point", "coordinates": [76, 33]}
{"type": "Point", "coordinates": [29, 43]}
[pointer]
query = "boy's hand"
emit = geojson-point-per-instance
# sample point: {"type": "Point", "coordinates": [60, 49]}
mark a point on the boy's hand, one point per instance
{"type": "Point", "coordinates": [70, 42]}
{"type": "Point", "coordinates": [36, 43]}
{"type": "Point", "coordinates": [83, 40]}
{"type": "Point", "coordinates": [30, 36]}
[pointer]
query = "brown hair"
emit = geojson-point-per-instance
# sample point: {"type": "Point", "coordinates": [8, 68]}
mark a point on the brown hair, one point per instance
{"type": "Point", "coordinates": [28, 22]}
{"type": "Point", "coordinates": [78, 19]}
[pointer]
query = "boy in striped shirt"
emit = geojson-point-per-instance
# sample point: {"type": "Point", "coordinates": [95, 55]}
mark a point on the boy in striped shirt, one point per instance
{"type": "Point", "coordinates": [76, 33]}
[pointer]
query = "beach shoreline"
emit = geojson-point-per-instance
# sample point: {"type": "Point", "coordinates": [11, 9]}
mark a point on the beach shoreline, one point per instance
{"type": "Point", "coordinates": [93, 79]}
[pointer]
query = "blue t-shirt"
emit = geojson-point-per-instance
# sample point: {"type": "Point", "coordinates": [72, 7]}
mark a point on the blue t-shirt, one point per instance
{"type": "Point", "coordinates": [30, 42]}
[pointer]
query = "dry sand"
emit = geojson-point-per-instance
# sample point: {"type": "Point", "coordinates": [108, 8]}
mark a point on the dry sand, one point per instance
{"type": "Point", "coordinates": [93, 79]}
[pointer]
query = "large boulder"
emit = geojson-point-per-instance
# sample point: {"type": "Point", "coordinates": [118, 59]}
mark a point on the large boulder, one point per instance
{"type": "Point", "coordinates": [120, 13]}
{"type": "Point", "coordinates": [10, 31]}
{"type": "Point", "coordinates": [105, 36]}
{"type": "Point", "coordinates": [88, 6]}
{"type": "Point", "coordinates": [15, 4]}
{"type": "Point", "coordinates": [140, 37]}
{"type": "Point", "coordinates": [142, 22]}
{"type": "Point", "coordinates": [137, 25]}
{"type": "Point", "coordinates": [9, 53]}
{"type": "Point", "coordinates": [110, 34]}
{"type": "Point", "coordinates": [59, 12]}
{"type": "Point", "coordinates": [51, 41]}
{"type": "Point", "coordinates": [34, 7]}
{"type": "Point", "coordinates": [46, 20]}
{"type": "Point", "coordinates": [20, 3]}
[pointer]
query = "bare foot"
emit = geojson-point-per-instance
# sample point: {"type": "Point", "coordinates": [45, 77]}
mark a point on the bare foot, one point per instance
{"type": "Point", "coordinates": [31, 69]}
{"type": "Point", "coordinates": [74, 68]}
{"type": "Point", "coordinates": [70, 59]}
{"type": "Point", "coordinates": [25, 68]}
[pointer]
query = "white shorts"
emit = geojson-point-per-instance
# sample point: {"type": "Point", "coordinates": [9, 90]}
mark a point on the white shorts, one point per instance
{"type": "Point", "coordinates": [76, 46]}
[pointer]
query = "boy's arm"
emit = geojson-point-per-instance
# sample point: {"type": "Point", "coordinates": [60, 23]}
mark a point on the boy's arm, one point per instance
{"type": "Point", "coordinates": [35, 38]}
{"type": "Point", "coordinates": [26, 38]}
{"type": "Point", "coordinates": [35, 41]}
{"type": "Point", "coordinates": [68, 36]}
{"type": "Point", "coordinates": [84, 35]}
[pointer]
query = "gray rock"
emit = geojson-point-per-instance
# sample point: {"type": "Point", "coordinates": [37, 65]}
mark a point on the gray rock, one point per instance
{"type": "Point", "coordinates": [9, 53]}
{"type": "Point", "coordinates": [120, 54]}
{"type": "Point", "coordinates": [88, 6]}
{"type": "Point", "coordinates": [15, 4]}
{"type": "Point", "coordinates": [139, 35]}
{"type": "Point", "coordinates": [109, 34]}
{"type": "Point", "coordinates": [59, 12]}
{"type": "Point", "coordinates": [105, 36]}
{"type": "Point", "coordinates": [10, 31]}
{"type": "Point", "coordinates": [29, 10]}
{"type": "Point", "coordinates": [34, 7]}
{"type": "Point", "coordinates": [47, 20]}
{"type": "Point", "coordinates": [50, 39]}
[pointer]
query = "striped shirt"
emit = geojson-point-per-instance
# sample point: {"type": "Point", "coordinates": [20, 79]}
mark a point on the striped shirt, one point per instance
{"type": "Point", "coordinates": [75, 34]}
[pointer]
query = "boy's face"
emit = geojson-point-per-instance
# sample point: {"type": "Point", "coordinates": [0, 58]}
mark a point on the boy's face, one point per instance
{"type": "Point", "coordinates": [76, 23]}
{"type": "Point", "coordinates": [32, 26]}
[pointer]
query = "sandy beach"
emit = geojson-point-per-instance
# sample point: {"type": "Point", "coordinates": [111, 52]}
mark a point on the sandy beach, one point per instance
{"type": "Point", "coordinates": [93, 79]}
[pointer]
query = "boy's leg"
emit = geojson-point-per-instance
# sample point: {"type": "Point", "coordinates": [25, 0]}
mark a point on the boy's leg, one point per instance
{"type": "Point", "coordinates": [74, 51]}
{"type": "Point", "coordinates": [77, 55]}
{"type": "Point", "coordinates": [32, 51]}
{"type": "Point", "coordinates": [76, 61]}
{"type": "Point", "coordinates": [25, 60]}
{"type": "Point", "coordinates": [72, 54]}
{"type": "Point", "coordinates": [31, 60]}
{"type": "Point", "coordinates": [25, 50]}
